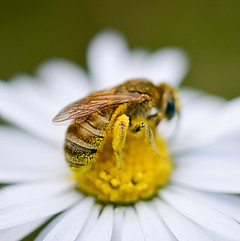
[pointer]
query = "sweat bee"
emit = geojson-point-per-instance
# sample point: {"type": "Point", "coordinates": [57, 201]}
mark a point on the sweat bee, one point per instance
{"type": "Point", "coordinates": [136, 105]}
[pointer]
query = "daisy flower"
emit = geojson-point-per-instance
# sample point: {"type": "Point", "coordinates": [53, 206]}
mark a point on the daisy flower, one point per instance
{"type": "Point", "coordinates": [198, 196]}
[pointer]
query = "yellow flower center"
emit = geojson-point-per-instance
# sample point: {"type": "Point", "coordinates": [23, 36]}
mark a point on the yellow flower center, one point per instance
{"type": "Point", "coordinates": [144, 171]}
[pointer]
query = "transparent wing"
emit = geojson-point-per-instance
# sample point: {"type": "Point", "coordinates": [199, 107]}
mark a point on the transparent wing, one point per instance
{"type": "Point", "coordinates": [80, 110]}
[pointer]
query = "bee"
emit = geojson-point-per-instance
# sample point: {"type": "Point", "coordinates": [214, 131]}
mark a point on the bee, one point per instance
{"type": "Point", "coordinates": [137, 106]}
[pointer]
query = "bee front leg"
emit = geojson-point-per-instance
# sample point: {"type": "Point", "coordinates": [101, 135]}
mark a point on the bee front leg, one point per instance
{"type": "Point", "coordinates": [144, 129]}
{"type": "Point", "coordinates": [120, 128]}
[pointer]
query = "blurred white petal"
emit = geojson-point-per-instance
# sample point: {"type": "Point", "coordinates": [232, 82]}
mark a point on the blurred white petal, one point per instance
{"type": "Point", "coordinates": [103, 227]}
{"type": "Point", "coordinates": [90, 224]}
{"type": "Point", "coordinates": [22, 113]}
{"type": "Point", "coordinates": [205, 216]}
{"type": "Point", "coordinates": [153, 228]}
{"type": "Point", "coordinates": [71, 224]}
{"type": "Point", "coordinates": [168, 65]}
{"type": "Point", "coordinates": [20, 150]}
{"type": "Point", "coordinates": [197, 109]}
{"type": "Point", "coordinates": [223, 149]}
{"type": "Point", "coordinates": [215, 122]}
{"type": "Point", "coordinates": [214, 236]}
{"type": "Point", "coordinates": [34, 91]}
{"type": "Point", "coordinates": [49, 226]}
{"type": "Point", "coordinates": [117, 224]}
{"type": "Point", "coordinates": [107, 57]}
{"type": "Point", "coordinates": [110, 62]}
{"type": "Point", "coordinates": [10, 174]}
{"type": "Point", "coordinates": [133, 68]}
{"type": "Point", "coordinates": [30, 211]}
{"type": "Point", "coordinates": [178, 224]}
{"type": "Point", "coordinates": [217, 174]}
{"type": "Point", "coordinates": [20, 193]}
{"type": "Point", "coordinates": [131, 227]}
{"type": "Point", "coordinates": [64, 80]}
{"type": "Point", "coordinates": [228, 204]}
{"type": "Point", "coordinates": [225, 122]}
{"type": "Point", "coordinates": [20, 231]}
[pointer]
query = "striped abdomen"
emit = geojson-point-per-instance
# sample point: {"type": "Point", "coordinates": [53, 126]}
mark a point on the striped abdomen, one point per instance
{"type": "Point", "coordinates": [84, 139]}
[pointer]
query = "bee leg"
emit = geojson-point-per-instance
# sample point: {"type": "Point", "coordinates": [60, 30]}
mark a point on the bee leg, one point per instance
{"type": "Point", "coordinates": [119, 133]}
{"type": "Point", "coordinates": [144, 128]}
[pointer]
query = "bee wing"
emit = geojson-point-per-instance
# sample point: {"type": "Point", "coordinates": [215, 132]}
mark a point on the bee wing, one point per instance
{"type": "Point", "coordinates": [80, 110]}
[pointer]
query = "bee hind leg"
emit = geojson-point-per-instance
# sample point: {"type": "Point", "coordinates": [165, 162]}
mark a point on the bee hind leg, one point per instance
{"type": "Point", "coordinates": [144, 129]}
{"type": "Point", "coordinates": [119, 133]}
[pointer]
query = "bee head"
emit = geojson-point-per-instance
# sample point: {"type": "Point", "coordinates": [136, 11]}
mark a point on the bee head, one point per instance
{"type": "Point", "coordinates": [162, 102]}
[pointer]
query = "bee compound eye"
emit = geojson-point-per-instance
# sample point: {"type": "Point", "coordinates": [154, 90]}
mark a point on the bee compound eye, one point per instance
{"type": "Point", "coordinates": [171, 110]}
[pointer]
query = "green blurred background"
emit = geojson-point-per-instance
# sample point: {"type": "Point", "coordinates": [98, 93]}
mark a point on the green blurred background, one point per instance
{"type": "Point", "coordinates": [209, 31]}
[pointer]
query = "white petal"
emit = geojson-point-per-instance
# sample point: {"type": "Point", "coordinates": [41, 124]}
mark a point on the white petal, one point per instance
{"type": "Point", "coordinates": [22, 113]}
{"type": "Point", "coordinates": [131, 227]}
{"type": "Point", "coordinates": [20, 231]}
{"type": "Point", "coordinates": [187, 95]}
{"type": "Point", "coordinates": [133, 68]}
{"type": "Point", "coordinates": [168, 65]}
{"type": "Point", "coordinates": [30, 211]}
{"type": "Point", "coordinates": [213, 184]}
{"type": "Point", "coordinates": [50, 226]}
{"type": "Point", "coordinates": [228, 204]}
{"type": "Point", "coordinates": [9, 164]}
{"type": "Point", "coordinates": [33, 90]}
{"type": "Point", "coordinates": [152, 226]}
{"type": "Point", "coordinates": [219, 124]}
{"type": "Point", "coordinates": [181, 227]}
{"type": "Point", "coordinates": [214, 236]}
{"type": "Point", "coordinates": [111, 62]}
{"type": "Point", "coordinates": [107, 59]}
{"type": "Point", "coordinates": [117, 224]}
{"type": "Point", "coordinates": [90, 224]}
{"type": "Point", "coordinates": [9, 175]}
{"type": "Point", "coordinates": [20, 139]}
{"type": "Point", "coordinates": [20, 150]}
{"type": "Point", "coordinates": [226, 121]}
{"type": "Point", "coordinates": [197, 109]}
{"type": "Point", "coordinates": [69, 227]}
{"type": "Point", "coordinates": [103, 228]}
{"type": "Point", "coordinates": [222, 149]}
{"type": "Point", "coordinates": [65, 82]}
{"type": "Point", "coordinates": [209, 218]}
{"type": "Point", "coordinates": [20, 193]}
{"type": "Point", "coordinates": [193, 117]}
{"type": "Point", "coordinates": [218, 174]}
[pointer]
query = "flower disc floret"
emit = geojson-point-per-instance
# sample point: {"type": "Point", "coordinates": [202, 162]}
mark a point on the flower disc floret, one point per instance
{"type": "Point", "coordinates": [144, 171]}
